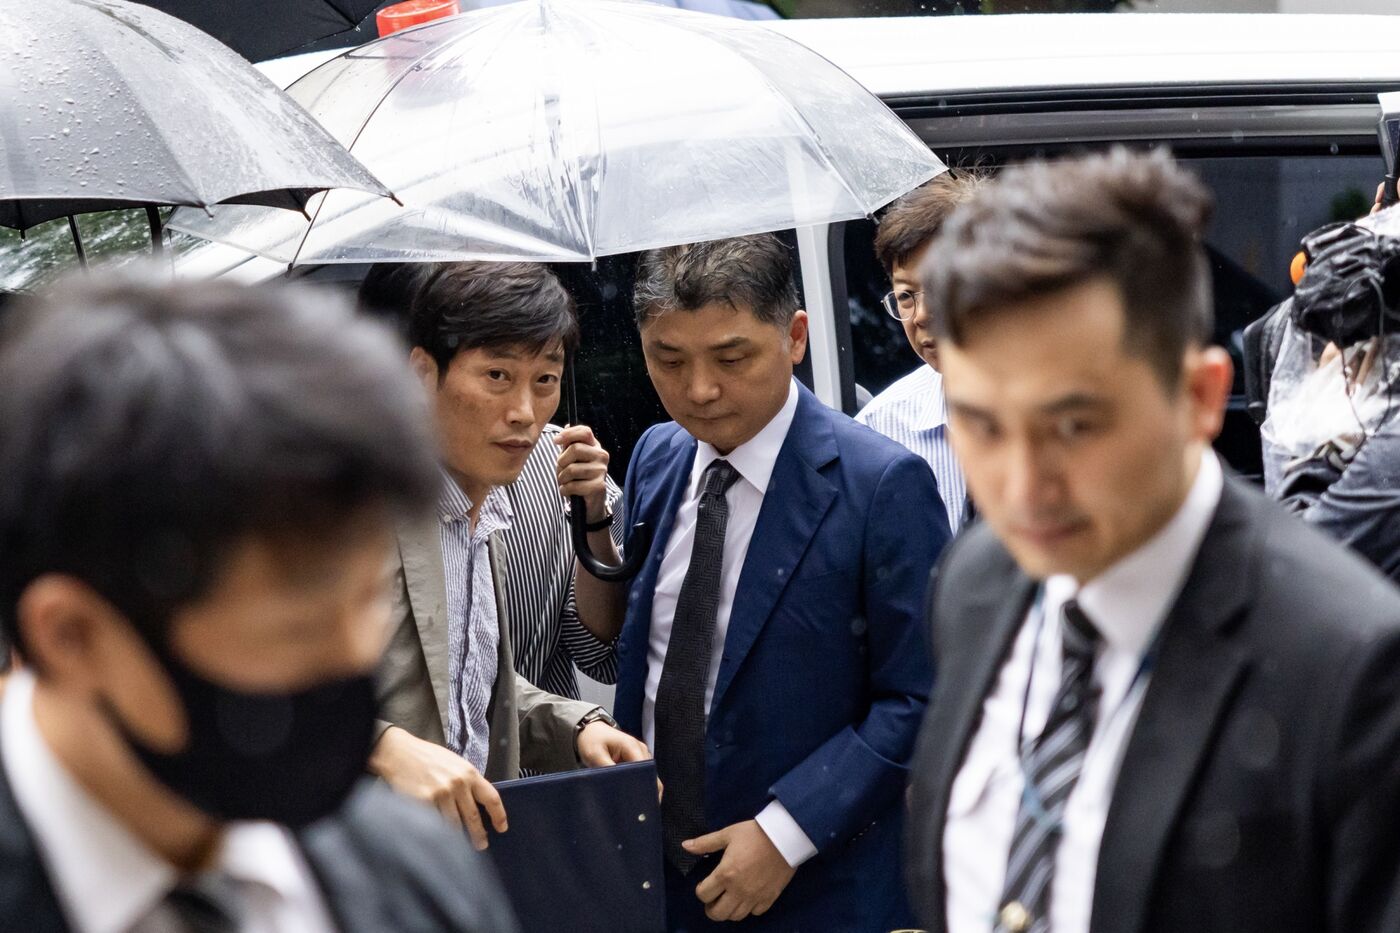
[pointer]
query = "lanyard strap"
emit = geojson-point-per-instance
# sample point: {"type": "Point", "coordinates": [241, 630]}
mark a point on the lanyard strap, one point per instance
{"type": "Point", "coordinates": [1145, 665]}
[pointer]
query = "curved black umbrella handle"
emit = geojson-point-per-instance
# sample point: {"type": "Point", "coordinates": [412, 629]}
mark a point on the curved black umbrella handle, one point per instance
{"type": "Point", "coordinates": [636, 550]}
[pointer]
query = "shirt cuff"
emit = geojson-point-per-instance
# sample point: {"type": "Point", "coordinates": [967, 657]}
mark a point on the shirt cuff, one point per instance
{"type": "Point", "coordinates": [787, 837]}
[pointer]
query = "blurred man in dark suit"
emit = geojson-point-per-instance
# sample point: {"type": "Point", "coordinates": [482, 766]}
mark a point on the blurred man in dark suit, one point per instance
{"type": "Point", "coordinates": [199, 495]}
{"type": "Point", "coordinates": [1162, 704]}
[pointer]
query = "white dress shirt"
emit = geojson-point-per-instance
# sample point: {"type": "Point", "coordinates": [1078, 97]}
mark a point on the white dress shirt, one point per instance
{"type": "Point", "coordinates": [1127, 604]}
{"type": "Point", "coordinates": [754, 461]}
{"type": "Point", "coordinates": [914, 412]}
{"type": "Point", "coordinates": [108, 880]}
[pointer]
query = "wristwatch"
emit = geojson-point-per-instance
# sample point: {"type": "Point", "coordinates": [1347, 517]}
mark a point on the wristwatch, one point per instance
{"type": "Point", "coordinates": [600, 524]}
{"type": "Point", "coordinates": [596, 715]}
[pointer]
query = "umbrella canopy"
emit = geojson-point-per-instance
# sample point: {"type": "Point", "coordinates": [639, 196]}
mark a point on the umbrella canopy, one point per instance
{"type": "Point", "coordinates": [567, 131]}
{"type": "Point", "coordinates": [263, 29]}
{"type": "Point", "coordinates": [107, 104]}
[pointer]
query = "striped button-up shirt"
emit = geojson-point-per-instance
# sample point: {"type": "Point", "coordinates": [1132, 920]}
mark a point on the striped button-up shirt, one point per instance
{"type": "Point", "coordinates": [473, 631]}
{"type": "Point", "coordinates": [914, 412]}
{"type": "Point", "coordinates": [545, 632]}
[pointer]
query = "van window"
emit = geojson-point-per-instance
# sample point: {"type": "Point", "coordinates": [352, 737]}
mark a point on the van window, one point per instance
{"type": "Point", "coordinates": [1264, 205]}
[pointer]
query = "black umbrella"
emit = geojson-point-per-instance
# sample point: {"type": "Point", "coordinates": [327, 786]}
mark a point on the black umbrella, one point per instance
{"type": "Point", "coordinates": [105, 104]}
{"type": "Point", "coordinates": [263, 29]}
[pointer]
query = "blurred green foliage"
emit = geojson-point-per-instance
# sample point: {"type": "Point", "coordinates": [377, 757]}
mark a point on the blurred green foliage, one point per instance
{"type": "Point", "coordinates": [46, 251]}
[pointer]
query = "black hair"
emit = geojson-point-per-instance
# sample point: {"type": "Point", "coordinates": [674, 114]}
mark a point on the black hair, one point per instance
{"type": "Point", "coordinates": [147, 430]}
{"type": "Point", "coordinates": [747, 271]}
{"type": "Point", "coordinates": [386, 293]}
{"type": "Point", "coordinates": [460, 306]}
{"type": "Point", "coordinates": [1135, 219]}
{"type": "Point", "coordinates": [911, 222]}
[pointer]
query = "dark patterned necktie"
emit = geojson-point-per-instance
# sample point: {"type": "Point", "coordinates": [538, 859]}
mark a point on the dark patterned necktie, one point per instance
{"type": "Point", "coordinates": [680, 696]}
{"type": "Point", "coordinates": [1051, 769]}
{"type": "Point", "coordinates": [207, 903]}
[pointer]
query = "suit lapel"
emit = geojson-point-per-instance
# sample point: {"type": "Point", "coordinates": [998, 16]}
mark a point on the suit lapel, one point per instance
{"type": "Point", "coordinates": [1194, 679]}
{"type": "Point", "coordinates": [659, 504]}
{"type": "Point", "coordinates": [797, 499]}
{"type": "Point", "coordinates": [1002, 596]}
{"type": "Point", "coordinates": [349, 888]}
{"type": "Point", "coordinates": [505, 651]}
{"type": "Point", "coordinates": [503, 757]}
{"type": "Point", "coordinates": [963, 703]}
{"type": "Point", "coordinates": [420, 547]}
{"type": "Point", "coordinates": [26, 893]}
{"type": "Point", "coordinates": [658, 496]}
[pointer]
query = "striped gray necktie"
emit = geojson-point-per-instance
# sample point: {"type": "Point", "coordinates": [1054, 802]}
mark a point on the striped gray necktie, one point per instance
{"type": "Point", "coordinates": [1051, 768]}
{"type": "Point", "coordinates": [680, 696]}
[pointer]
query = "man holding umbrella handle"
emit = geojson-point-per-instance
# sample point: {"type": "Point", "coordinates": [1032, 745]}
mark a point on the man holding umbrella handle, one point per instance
{"type": "Point", "coordinates": [489, 342]}
{"type": "Point", "coordinates": [771, 654]}
{"type": "Point", "coordinates": [756, 872]}
{"type": "Point", "coordinates": [583, 471]}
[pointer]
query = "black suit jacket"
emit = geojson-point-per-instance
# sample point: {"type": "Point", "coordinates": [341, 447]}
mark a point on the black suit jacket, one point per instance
{"type": "Point", "coordinates": [1260, 788]}
{"type": "Point", "coordinates": [382, 863]}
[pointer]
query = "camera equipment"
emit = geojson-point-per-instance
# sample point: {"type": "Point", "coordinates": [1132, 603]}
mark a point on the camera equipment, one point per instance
{"type": "Point", "coordinates": [1351, 287]}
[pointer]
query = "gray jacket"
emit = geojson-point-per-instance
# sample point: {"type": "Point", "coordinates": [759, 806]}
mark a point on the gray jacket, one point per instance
{"type": "Point", "coordinates": [529, 727]}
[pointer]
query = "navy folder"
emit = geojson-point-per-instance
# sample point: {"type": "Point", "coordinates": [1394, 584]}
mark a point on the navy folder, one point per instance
{"type": "Point", "coordinates": [583, 852]}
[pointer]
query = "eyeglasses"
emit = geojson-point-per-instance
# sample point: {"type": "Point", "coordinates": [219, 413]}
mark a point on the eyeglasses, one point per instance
{"type": "Point", "coordinates": [902, 305]}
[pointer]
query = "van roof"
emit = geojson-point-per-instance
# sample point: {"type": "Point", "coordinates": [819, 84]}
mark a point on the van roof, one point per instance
{"type": "Point", "coordinates": [932, 55]}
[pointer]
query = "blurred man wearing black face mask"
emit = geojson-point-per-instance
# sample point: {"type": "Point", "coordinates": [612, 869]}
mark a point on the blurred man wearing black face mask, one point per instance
{"type": "Point", "coordinates": [194, 525]}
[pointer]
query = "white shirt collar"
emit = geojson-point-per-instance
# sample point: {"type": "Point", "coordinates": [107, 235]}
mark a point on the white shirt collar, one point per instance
{"type": "Point", "coordinates": [1129, 600]}
{"type": "Point", "coordinates": [454, 505]}
{"type": "Point", "coordinates": [755, 458]}
{"type": "Point", "coordinates": [933, 412]}
{"type": "Point", "coordinates": [105, 877]}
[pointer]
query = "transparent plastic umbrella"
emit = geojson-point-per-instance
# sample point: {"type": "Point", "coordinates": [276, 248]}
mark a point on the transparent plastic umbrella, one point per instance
{"type": "Point", "coordinates": [106, 104]}
{"type": "Point", "coordinates": [564, 131]}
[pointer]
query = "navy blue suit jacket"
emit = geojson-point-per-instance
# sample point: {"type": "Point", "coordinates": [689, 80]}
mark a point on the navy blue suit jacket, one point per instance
{"type": "Point", "coordinates": [825, 673]}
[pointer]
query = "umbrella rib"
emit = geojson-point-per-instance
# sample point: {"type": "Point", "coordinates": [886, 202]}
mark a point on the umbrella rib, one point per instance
{"type": "Point", "coordinates": [797, 114]}
{"type": "Point", "coordinates": [157, 135]}
{"type": "Point", "coordinates": [349, 148]}
{"type": "Point", "coordinates": [586, 218]}
{"type": "Point", "coordinates": [364, 124]}
{"type": "Point", "coordinates": [811, 130]}
{"type": "Point", "coordinates": [358, 133]}
{"type": "Point", "coordinates": [403, 76]}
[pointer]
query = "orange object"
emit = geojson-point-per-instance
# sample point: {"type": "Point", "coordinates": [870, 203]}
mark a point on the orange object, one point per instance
{"type": "Point", "coordinates": [401, 16]}
{"type": "Point", "coordinates": [1296, 268]}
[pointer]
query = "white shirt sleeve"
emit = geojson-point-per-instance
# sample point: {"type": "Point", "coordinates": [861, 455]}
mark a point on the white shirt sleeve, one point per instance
{"type": "Point", "coordinates": [787, 837]}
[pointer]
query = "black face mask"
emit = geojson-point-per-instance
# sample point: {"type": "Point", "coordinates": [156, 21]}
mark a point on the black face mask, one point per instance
{"type": "Point", "coordinates": [291, 758]}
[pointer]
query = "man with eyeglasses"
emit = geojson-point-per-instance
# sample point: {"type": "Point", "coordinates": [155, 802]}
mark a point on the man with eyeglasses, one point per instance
{"type": "Point", "coordinates": [912, 410]}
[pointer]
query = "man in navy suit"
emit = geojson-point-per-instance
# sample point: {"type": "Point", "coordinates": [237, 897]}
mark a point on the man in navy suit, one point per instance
{"type": "Point", "coordinates": [771, 654]}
